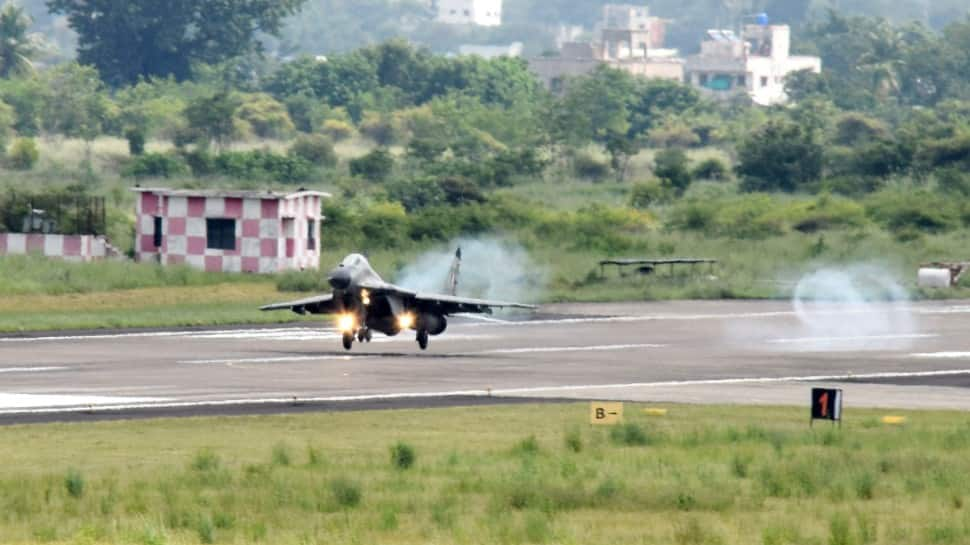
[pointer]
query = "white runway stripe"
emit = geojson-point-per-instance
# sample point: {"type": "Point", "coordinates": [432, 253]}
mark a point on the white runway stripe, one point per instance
{"type": "Point", "coordinates": [29, 406]}
{"type": "Point", "coordinates": [31, 369]}
{"type": "Point", "coordinates": [15, 402]}
{"type": "Point", "coordinates": [544, 349]}
{"type": "Point", "coordinates": [853, 338]}
{"type": "Point", "coordinates": [942, 355]}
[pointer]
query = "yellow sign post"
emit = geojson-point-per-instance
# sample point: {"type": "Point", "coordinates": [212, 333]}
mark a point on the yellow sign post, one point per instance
{"type": "Point", "coordinates": [605, 413]}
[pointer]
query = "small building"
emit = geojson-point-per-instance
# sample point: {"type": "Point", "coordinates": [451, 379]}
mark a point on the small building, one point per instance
{"type": "Point", "coordinates": [229, 231]}
{"type": "Point", "coordinates": [470, 12]}
{"type": "Point", "coordinates": [629, 39]}
{"type": "Point", "coordinates": [64, 226]}
{"type": "Point", "coordinates": [755, 63]}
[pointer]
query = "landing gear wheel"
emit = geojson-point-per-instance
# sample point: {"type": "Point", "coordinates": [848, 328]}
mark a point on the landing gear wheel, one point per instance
{"type": "Point", "coordinates": [348, 340]}
{"type": "Point", "coordinates": [423, 339]}
{"type": "Point", "coordinates": [368, 335]}
{"type": "Point", "coordinates": [361, 335]}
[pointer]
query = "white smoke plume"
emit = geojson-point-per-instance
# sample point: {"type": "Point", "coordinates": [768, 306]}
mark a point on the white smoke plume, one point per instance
{"type": "Point", "coordinates": [491, 268]}
{"type": "Point", "coordinates": [860, 307]}
{"type": "Point", "coordinates": [848, 308]}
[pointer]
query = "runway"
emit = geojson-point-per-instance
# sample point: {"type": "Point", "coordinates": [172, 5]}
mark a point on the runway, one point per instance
{"type": "Point", "coordinates": [886, 355]}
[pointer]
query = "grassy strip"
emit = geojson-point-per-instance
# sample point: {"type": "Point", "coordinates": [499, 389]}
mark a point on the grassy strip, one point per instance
{"type": "Point", "coordinates": [527, 474]}
{"type": "Point", "coordinates": [219, 304]}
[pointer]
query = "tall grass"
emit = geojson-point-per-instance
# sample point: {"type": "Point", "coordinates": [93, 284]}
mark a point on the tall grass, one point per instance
{"type": "Point", "coordinates": [708, 475]}
{"type": "Point", "coordinates": [21, 275]}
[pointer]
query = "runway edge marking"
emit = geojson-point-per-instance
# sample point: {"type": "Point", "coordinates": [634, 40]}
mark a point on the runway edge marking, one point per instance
{"type": "Point", "coordinates": [481, 393]}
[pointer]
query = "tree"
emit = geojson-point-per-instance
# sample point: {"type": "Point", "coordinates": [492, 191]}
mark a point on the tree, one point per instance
{"type": "Point", "coordinates": [779, 156]}
{"type": "Point", "coordinates": [596, 106]}
{"type": "Point", "coordinates": [670, 166]}
{"type": "Point", "coordinates": [16, 46]}
{"type": "Point", "coordinates": [213, 118]}
{"type": "Point", "coordinates": [75, 104]}
{"type": "Point", "coordinates": [146, 38]}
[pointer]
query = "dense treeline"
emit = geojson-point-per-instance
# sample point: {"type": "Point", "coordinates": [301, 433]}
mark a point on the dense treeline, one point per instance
{"type": "Point", "coordinates": [881, 137]}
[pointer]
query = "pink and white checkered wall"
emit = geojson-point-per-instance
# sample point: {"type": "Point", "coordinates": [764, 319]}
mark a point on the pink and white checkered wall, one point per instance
{"type": "Point", "coordinates": [70, 247]}
{"type": "Point", "coordinates": [271, 232]}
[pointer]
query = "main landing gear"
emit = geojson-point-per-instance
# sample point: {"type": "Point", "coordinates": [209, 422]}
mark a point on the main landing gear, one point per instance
{"type": "Point", "coordinates": [363, 336]}
{"type": "Point", "coordinates": [423, 339]}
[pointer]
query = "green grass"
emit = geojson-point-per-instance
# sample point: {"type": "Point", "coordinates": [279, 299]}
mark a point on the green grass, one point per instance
{"type": "Point", "coordinates": [725, 475]}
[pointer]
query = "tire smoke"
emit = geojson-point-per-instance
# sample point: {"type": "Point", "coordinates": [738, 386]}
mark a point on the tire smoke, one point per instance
{"type": "Point", "coordinates": [859, 307]}
{"type": "Point", "coordinates": [491, 268]}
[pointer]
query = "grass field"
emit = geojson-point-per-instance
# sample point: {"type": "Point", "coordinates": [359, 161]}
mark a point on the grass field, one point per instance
{"type": "Point", "coordinates": [525, 474]}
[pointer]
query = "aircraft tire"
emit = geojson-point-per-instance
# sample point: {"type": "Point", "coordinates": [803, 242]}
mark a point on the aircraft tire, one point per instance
{"type": "Point", "coordinates": [348, 340]}
{"type": "Point", "coordinates": [368, 335]}
{"type": "Point", "coordinates": [423, 339]}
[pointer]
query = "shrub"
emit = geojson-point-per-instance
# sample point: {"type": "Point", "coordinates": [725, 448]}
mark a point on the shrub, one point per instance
{"type": "Point", "coordinates": [74, 483]}
{"type": "Point", "coordinates": [529, 445]}
{"type": "Point", "coordinates": [315, 149]}
{"type": "Point", "coordinates": [346, 493]}
{"type": "Point", "coordinates": [136, 140]}
{"type": "Point", "coordinates": [629, 434]}
{"type": "Point", "coordinates": [382, 129]}
{"type": "Point", "coordinates": [155, 165]}
{"type": "Point", "coordinates": [589, 167]}
{"type": "Point", "coordinates": [376, 165]}
{"type": "Point", "coordinates": [205, 530]}
{"type": "Point", "coordinates": [919, 210]}
{"type": "Point", "coordinates": [402, 456]}
{"type": "Point", "coordinates": [265, 116]}
{"type": "Point", "coordinates": [711, 169]}
{"type": "Point", "coordinates": [416, 194]}
{"type": "Point", "coordinates": [23, 155]}
{"type": "Point", "coordinates": [574, 440]}
{"type": "Point", "coordinates": [779, 156]}
{"type": "Point", "coordinates": [206, 460]}
{"type": "Point", "coordinates": [645, 194]}
{"type": "Point", "coordinates": [337, 129]}
{"type": "Point", "coordinates": [281, 455]}
{"type": "Point", "coordinates": [670, 165]}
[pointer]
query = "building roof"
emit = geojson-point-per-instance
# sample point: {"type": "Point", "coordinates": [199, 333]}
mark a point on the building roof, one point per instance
{"type": "Point", "coordinates": [231, 193]}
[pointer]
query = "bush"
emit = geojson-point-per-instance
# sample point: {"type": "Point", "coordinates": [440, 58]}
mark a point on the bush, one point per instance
{"type": "Point", "coordinates": [136, 140]}
{"type": "Point", "coordinates": [281, 455]}
{"type": "Point", "coordinates": [629, 434]}
{"type": "Point", "coordinates": [913, 210]}
{"type": "Point", "coordinates": [645, 194]}
{"type": "Point", "coordinates": [376, 165]}
{"type": "Point", "coordinates": [251, 165]}
{"type": "Point", "coordinates": [402, 456]}
{"type": "Point", "coordinates": [74, 483]}
{"type": "Point", "coordinates": [589, 167]}
{"type": "Point", "coordinates": [155, 165]}
{"type": "Point", "coordinates": [338, 130]}
{"type": "Point", "coordinates": [23, 155]}
{"type": "Point", "coordinates": [711, 169]}
{"type": "Point", "coordinates": [780, 156]}
{"type": "Point", "coordinates": [382, 129]}
{"type": "Point", "coordinates": [670, 165]}
{"type": "Point", "coordinates": [315, 149]}
{"type": "Point", "coordinates": [574, 440]}
{"type": "Point", "coordinates": [265, 116]}
{"type": "Point", "coordinates": [346, 493]}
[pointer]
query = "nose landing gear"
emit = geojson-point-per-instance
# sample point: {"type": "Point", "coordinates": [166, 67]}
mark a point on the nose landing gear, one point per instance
{"type": "Point", "coordinates": [348, 340]}
{"type": "Point", "coordinates": [423, 339]}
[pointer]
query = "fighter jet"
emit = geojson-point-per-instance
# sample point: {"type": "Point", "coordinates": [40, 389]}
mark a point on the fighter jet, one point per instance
{"type": "Point", "coordinates": [362, 303]}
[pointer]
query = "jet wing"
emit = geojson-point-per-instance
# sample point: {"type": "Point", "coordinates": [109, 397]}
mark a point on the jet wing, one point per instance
{"type": "Point", "coordinates": [450, 304]}
{"type": "Point", "coordinates": [322, 304]}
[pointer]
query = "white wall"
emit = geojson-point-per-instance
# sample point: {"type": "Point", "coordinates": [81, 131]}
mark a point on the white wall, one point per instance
{"type": "Point", "coordinates": [476, 12]}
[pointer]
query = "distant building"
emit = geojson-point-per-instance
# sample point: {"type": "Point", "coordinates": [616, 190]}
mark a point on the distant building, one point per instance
{"type": "Point", "coordinates": [229, 231]}
{"type": "Point", "coordinates": [512, 50]}
{"type": "Point", "coordinates": [755, 63]}
{"type": "Point", "coordinates": [628, 39]}
{"type": "Point", "coordinates": [470, 12]}
{"type": "Point", "coordinates": [69, 228]}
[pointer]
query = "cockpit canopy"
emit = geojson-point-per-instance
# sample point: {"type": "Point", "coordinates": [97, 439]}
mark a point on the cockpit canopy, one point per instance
{"type": "Point", "coordinates": [353, 261]}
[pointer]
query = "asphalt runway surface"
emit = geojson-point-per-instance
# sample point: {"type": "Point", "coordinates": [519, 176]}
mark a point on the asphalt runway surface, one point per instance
{"type": "Point", "coordinates": [883, 355]}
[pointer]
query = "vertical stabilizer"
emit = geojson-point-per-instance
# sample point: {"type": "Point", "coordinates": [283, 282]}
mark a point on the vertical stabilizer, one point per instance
{"type": "Point", "coordinates": [452, 284]}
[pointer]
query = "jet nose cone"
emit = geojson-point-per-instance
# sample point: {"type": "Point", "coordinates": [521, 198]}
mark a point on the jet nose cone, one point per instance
{"type": "Point", "coordinates": [339, 278]}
